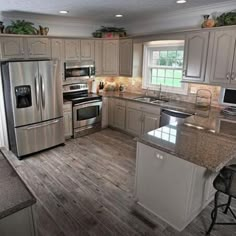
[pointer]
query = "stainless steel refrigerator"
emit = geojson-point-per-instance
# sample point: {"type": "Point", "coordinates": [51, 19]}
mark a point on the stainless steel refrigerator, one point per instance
{"type": "Point", "coordinates": [33, 104]}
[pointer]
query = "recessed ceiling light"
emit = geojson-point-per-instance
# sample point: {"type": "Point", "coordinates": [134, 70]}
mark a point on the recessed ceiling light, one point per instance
{"type": "Point", "coordinates": [118, 15]}
{"type": "Point", "coordinates": [181, 1]}
{"type": "Point", "coordinates": [63, 12]}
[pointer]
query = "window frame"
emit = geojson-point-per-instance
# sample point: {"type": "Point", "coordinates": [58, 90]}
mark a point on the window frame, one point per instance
{"type": "Point", "coordinates": [147, 56]}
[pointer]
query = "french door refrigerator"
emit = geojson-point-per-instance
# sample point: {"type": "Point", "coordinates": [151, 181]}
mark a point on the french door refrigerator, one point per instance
{"type": "Point", "coordinates": [33, 103]}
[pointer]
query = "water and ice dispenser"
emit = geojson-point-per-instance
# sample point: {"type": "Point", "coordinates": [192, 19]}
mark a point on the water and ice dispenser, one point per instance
{"type": "Point", "coordinates": [23, 96]}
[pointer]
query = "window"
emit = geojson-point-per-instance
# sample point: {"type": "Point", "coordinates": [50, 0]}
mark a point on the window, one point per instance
{"type": "Point", "coordinates": [163, 65]}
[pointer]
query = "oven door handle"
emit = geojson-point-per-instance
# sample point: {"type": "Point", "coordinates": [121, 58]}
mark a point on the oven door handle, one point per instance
{"type": "Point", "coordinates": [88, 102]}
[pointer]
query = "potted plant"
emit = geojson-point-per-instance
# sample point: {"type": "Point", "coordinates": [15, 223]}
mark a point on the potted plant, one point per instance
{"type": "Point", "coordinates": [21, 27]}
{"type": "Point", "coordinates": [228, 18]}
{"type": "Point", "coordinates": [109, 32]}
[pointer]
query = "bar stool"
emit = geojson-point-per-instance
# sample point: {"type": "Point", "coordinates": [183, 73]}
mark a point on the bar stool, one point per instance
{"type": "Point", "coordinates": [225, 183]}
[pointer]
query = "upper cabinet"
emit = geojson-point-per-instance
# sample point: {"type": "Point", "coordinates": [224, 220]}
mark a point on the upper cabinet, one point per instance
{"type": "Point", "coordinates": [12, 48]}
{"type": "Point", "coordinates": [57, 46]}
{"type": "Point", "coordinates": [38, 47]}
{"type": "Point", "coordinates": [195, 56]}
{"type": "Point", "coordinates": [72, 49]}
{"type": "Point", "coordinates": [110, 57]}
{"type": "Point", "coordinates": [98, 57]}
{"type": "Point", "coordinates": [223, 66]}
{"type": "Point", "coordinates": [87, 49]}
{"type": "Point", "coordinates": [126, 57]}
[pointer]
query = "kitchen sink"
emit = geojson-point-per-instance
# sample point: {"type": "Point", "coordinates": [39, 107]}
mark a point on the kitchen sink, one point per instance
{"type": "Point", "coordinates": [153, 100]}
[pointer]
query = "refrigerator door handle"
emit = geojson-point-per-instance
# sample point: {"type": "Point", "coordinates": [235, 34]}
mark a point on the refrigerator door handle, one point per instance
{"type": "Point", "coordinates": [42, 125]}
{"type": "Point", "coordinates": [36, 91]}
{"type": "Point", "coordinates": [42, 90]}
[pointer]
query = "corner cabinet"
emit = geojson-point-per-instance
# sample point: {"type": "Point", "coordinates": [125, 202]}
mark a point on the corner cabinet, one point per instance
{"type": "Point", "coordinates": [87, 49]}
{"type": "Point", "coordinates": [12, 48]}
{"type": "Point", "coordinates": [110, 57]}
{"type": "Point", "coordinates": [72, 49]}
{"type": "Point", "coordinates": [38, 48]}
{"type": "Point", "coordinates": [195, 56]}
{"type": "Point", "coordinates": [126, 57]}
{"type": "Point", "coordinates": [223, 66]}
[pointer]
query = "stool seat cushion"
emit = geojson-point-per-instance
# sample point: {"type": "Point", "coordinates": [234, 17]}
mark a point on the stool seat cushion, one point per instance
{"type": "Point", "coordinates": [226, 181]}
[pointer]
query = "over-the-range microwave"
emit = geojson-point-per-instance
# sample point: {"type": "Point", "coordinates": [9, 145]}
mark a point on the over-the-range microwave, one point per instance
{"type": "Point", "coordinates": [228, 97]}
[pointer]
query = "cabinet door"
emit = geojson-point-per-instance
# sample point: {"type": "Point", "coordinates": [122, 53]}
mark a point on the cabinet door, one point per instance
{"type": "Point", "coordinates": [12, 48]}
{"type": "Point", "coordinates": [233, 74]}
{"type": "Point", "coordinates": [72, 49]}
{"type": "Point", "coordinates": [134, 121]}
{"type": "Point", "coordinates": [196, 46]}
{"type": "Point", "coordinates": [98, 57]}
{"type": "Point", "coordinates": [105, 110]}
{"type": "Point", "coordinates": [119, 117]}
{"type": "Point", "coordinates": [68, 124]}
{"type": "Point", "coordinates": [57, 46]}
{"type": "Point", "coordinates": [110, 57]}
{"type": "Point", "coordinates": [126, 57]}
{"type": "Point", "coordinates": [150, 122]}
{"type": "Point", "coordinates": [222, 56]}
{"type": "Point", "coordinates": [87, 50]}
{"type": "Point", "coordinates": [111, 112]}
{"type": "Point", "coordinates": [38, 48]}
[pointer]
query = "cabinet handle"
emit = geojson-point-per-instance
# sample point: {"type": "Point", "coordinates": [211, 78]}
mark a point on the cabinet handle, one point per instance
{"type": "Point", "coordinates": [184, 72]}
{"type": "Point", "coordinates": [233, 76]}
{"type": "Point", "coordinates": [228, 76]}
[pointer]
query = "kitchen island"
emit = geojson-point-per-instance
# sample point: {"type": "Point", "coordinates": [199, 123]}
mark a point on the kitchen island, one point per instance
{"type": "Point", "coordinates": [176, 166]}
{"type": "Point", "coordinates": [16, 213]}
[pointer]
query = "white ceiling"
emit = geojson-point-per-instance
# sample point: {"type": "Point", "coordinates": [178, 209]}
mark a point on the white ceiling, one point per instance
{"type": "Point", "coordinates": [101, 10]}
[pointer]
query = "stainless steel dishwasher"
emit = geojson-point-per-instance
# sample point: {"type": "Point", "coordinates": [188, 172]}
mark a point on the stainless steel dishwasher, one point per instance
{"type": "Point", "coordinates": [169, 116]}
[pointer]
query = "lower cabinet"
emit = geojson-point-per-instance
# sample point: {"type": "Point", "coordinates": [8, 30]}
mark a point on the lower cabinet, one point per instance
{"type": "Point", "coordinates": [67, 113]}
{"type": "Point", "coordinates": [150, 122]}
{"type": "Point", "coordinates": [105, 107]}
{"type": "Point", "coordinates": [171, 188]}
{"type": "Point", "coordinates": [119, 117]}
{"type": "Point", "coordinates": [134, 121]}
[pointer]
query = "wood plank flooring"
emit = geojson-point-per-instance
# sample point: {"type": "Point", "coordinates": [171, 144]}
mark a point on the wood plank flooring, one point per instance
{"type": "Point", "coordinates": [87, 188]}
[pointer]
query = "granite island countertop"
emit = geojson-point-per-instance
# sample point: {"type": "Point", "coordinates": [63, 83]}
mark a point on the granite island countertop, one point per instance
{"type": "Point", "coordinates": [14, 194]}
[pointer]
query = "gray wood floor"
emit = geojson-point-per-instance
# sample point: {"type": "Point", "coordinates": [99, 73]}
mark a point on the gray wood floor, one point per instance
{"type": "Point", "coordinates": [87, 187]}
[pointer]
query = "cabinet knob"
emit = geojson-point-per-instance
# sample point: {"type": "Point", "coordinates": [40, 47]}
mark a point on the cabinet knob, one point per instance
{"type": "Point", "coordinates": [233, 75]}
{"type": "Point", "coordinates": [228, 76]}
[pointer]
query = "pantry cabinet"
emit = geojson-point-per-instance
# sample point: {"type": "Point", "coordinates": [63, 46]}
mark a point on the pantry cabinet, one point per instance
{"type": "Point", "coordinates": [126, 57]}
{"type": "Point", "coordinates": [110, 62]}
{"type": "Point", "coordinates": [12, 48]}
{"type": "Point", "coordinates": [72, 49]}
{"type": "Point", "coordinates": [195, 56]}
{"type": "Point", "coordinates": [38, 48]}
{"type": "Point", "coordinates": [87, 49]}
{"type": "Point", "coordinates": [223, 57]}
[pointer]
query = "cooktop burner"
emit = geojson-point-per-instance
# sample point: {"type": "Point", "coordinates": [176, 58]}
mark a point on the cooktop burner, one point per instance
{"type": "Point", "coordinates": [79, 98]}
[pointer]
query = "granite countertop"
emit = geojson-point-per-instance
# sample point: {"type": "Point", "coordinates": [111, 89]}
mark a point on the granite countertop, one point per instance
{"type": "Point", "coordinates": [14, 194]}
{"type": "Point", "coordinates": [207, 138]}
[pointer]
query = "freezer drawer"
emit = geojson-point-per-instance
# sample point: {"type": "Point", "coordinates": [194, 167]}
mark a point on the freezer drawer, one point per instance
{"type": "Point", "coordinates": [34, 138]}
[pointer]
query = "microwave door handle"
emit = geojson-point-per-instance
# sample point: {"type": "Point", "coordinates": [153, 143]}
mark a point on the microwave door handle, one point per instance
{"type": "Point", "coordinates": [36, 91]}
{"type": "Point", "coordinates": [42, 90]}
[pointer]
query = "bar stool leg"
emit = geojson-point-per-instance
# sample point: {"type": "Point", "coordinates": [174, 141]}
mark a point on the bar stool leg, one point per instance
{"type": "Point", "coordinates": [228, 205]}
{"type": "Point", "coordinates": [214, 213]}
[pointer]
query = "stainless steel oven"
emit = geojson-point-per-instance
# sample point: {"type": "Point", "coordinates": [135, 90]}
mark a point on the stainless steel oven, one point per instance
{"type": "Point", "coordinates": [76, 71]}
{"type": "Point", "coordinates": [87, 116]}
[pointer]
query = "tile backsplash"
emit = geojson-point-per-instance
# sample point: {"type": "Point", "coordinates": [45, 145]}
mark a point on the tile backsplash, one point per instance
{"type": "Point", "coordinates": [134, 85]}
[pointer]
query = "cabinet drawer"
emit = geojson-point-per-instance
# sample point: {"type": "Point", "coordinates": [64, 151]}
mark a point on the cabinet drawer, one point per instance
{"type": "Point", "coordinates": [120, 102]}
{"type": "Point", "coordinates": [144, 107]}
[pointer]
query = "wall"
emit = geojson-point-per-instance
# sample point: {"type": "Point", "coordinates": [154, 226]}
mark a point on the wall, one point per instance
{"type": "Point", "coordinates": [134, 85]}
{"type": "Point", "coordinates": [182, 19]}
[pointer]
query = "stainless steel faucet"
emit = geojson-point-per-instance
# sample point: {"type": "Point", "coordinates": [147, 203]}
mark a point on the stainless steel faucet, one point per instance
{"type": "Point", "coordinates": [146, 92]}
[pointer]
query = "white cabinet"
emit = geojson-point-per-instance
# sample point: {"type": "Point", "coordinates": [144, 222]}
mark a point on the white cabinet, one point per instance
{"type": "Point", "coordinates": [67, 113]}
{"type": "Point", "coordinates": [111, 105]}
{"type": "Point", "coordinates": [126, 57]}
{"type": "Point", "coordinates": [134, 121]}
{"type": "Point", "coordinates": [87, 49]}
{"type": "Point", "coordinates": [98, 57]}
{"type": "Point", "coordinates": [72, 49]}
{"type": "Point", "coordinates": [119, 113]}
{"type": "Point", "coordinates": [38, 48]}
{"type": "Point", "coordinates": [173, 189]}
{"type": "Point", "coordinates": [110, 57]}
{"type": "Point", "coordinates": [223, 57]}
{"type": "Point", "coordinates": [105, 109]}
{"type": "Point", "coordinates": [12, 48]}
{"type": "Point", "coordinates": [150, 122]}
{"type": "Point", "coordinates": [195, 56]}
{"type": "Point", "coordinates": [57, 47]}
